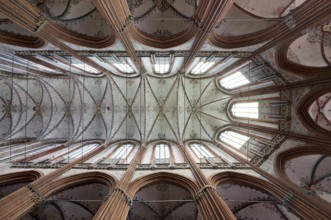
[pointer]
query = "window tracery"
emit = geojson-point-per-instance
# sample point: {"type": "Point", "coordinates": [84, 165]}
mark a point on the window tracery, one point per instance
{"type": "Point", "coordinates": [206, 65]}
{"type": "Point", "coordinates": [122, 152]}
{"type": "Point", "coordinates": [162, 153]}
{"type": "Point", "coordinates": [22, 151]}
{"type": "Point", "coordinates": [85, 67]}
{"type": "Point", "coordinates": [121, 64]}
{"type": "Point", "coordinates": [125, 68]}
{"type": "Point", "coordinates": [205, 154]}
{"type": "Point", "coordinates": [254, 146]}
{"type": "Point", "coordinates": [120, 155]}
{"type": "Point", "coordinates": [202, 67]}
{"type": "Point", "coordinates": [201, 151]}
{"type": "Point", "coordinates": [162, 65]}
{"type": "Point", "coordinates": [245, 109]}
{"type": "Point", "coordinates": [234, 80]}
{"type": "Point", "coordinates": [81, 151]}
{"type": "Point", "coordinates": [270, 110]}
{"type": "Point", "coordinates": [22, 65]}
{"type": "Point", "coordinates": [234, 139]}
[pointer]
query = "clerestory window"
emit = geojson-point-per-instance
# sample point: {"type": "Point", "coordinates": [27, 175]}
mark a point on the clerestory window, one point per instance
{"type": "Point", "coordinates": [122, 152]}
{"type": "Point", "coordinates": [82, 151]}
{"type": "Point", "coordinates": [86, 67]}
{"type": "Point", "coordinates": [246, 110]}
{"type": "Point", "coordinates": [125, 68]}
{"type": "Point", "coordinates": [162, 65]}
{"type": "Point", "coordinates": [162, 151]}
{"type": "Point", "coordinates": [202, 67]}
{"type": "Point", "coordinates": [234, 80]}
{"type": "Point", "coordinates": [201, 151]}
{"type": "Point", "coordinates": [234, 139]}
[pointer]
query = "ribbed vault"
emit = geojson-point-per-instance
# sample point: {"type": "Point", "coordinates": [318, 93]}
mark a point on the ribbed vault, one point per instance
{"type": "Point", "coordinates": [194, 87]}
{"type": "Point", "coordinates": [143, 108]}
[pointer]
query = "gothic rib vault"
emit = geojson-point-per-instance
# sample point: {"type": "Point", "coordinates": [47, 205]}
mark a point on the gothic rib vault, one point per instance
{"type": "Point", "coordinates": [123, 109]}
{"type": "Point", "coordinates": [144, 108]}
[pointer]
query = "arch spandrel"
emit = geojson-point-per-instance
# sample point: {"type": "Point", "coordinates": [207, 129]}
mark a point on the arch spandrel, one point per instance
{"type": "Point", "coordinates": [306, 167]}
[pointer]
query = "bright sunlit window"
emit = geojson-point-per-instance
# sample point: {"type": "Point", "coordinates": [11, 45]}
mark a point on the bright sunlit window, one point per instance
{"type": "Point", "coordinates": [15, 59]}
{"type": "Point", "coordinates": [162, 68]}
{"type": "Point", "coordinates": [125, 68]}
{"type": "Point", "coordinates": [82, 151]}
{"type": "Point", "coordinates": [234, 80]}
{"type": "Point", "coordinates": [246, 110]}
{"type": "Point", "coordinates": [162, 65]}
{"type": "Point", "coordinates": [41, 67]}
{"type": "Point", "coordinates": [162, 151]}
{"type": "Point", "coordinates": [202, 67]}
{"type": "Point", "coordinates": [120, 63]}
{"type": "Point", "coordinates": [85, 67]}
{"type": "Point", "coordinates": [201, 151]}
{"type": "Point", "coordinates": [122, 152]}
{"type": "Point", "coordinates": [234, 139]}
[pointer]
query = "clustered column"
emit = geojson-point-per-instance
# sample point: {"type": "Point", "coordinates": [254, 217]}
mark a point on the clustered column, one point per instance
{"type": "Point", "coordinates": [208, 15]}
{"type": "Point", "coordinates": [304, 206]}
{"type": "Point", "coordinates": [117, 205]}
{"type": "Point", "coordinates": [210, 204]}
{"type": "Point", "coordinates": [18, 203]}
{"type": "Point", "coordinates": [30, 18]}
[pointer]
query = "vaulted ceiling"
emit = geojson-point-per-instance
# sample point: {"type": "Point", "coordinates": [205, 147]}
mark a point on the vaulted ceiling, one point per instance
{"type": "Point", "coordinates": [115, 70]}
{"type": "Point", "coordinates": [142, 108]}
{"type": "Point", "coordinates": [76, 92]}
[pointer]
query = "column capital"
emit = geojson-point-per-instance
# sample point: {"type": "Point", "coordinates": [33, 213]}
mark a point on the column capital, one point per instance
{"type": "Point", "coordinates": [200, 193]}
{"type": "Point", "coordinates": [287, 200]}
{"type": "Point", "coordinates": [127, 197]}
{"type": "Point", "coordinates": [37, 197]}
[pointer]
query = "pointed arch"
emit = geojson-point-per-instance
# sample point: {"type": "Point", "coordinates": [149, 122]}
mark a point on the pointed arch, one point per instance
{"type": "Point", "coordinates": [296, 152]}
{"type": "Point", "coordinates": [269, 194]}
{"type": "Point", "coordinates": [305, 111]}
{"type": "Point", "coordinates": [24, 176]}
{"type": "Point", "coordinates": [163, 177]}
{"type": "Point", "coordinates": [306, 167]}
{"type": "Point", "coordinates": [11, 182]}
